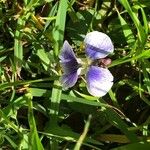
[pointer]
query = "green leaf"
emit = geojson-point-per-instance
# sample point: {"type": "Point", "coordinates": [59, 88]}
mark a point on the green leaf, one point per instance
{"type": "Point", "coordinates": [18, 43]}
{"type": "Point", "coordinates": [12, 143]}
{"type": "Point", "coordinates": [141, 31]}
{"type": "Point", "coordinates": [134, 146]}
{"type": "Point", "coordinates": [68, 135]}
{"type": "Point", "coordinates": [44, 58]}
{"type": "Point", "coordinates": [58, 32]}
{"type": "Point", "coordinates": [34, 140]}
{"type": "Point", "coordinates": [130, 39]}
{"type": "Point", "coordinates": [116, 120]}
{"type": "Point", "coordinates": [143, 55]}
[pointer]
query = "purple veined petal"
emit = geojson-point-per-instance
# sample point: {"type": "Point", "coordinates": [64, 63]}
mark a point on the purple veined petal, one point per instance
{"type": "Point", "coordinates": [99, 81]}
{"type": "Point", "coordinates": [67, 53]}
{"type": "Point", "coordinates": [69, 80]}
{"type": "Point", "coordinates": [98, 45]}
{"type": "Point", "coordinates": [68, 59]}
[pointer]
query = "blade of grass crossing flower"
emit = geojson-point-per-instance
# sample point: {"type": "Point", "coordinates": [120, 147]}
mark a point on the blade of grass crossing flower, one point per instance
{"type": "Point", "coordinates": [70, 98]}
{"type": "Point", "coordinates": [34, 140]}
{"type": "Point", "coordinates": [58, 32]}
{"type": "Point", "coordinates": [88, 97]}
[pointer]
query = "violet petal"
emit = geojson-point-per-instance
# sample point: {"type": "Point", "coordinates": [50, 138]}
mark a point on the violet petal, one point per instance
{"type": "Point", "coordinates": [68, 59]}
{"type": "Point", "coordinates": [67, 53]}
{"type": "Point", "coordinates": [70, 66]}
{"type": "Point", "coordinates": [69, 80]}
{"type": "Point", "coordinates": [99, 81]}
{"type": "Point", "coordinates": [98, 45]}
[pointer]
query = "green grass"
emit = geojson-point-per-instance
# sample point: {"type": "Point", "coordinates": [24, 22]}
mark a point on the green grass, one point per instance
{"type": "Point", "coordinates": [35, 113]}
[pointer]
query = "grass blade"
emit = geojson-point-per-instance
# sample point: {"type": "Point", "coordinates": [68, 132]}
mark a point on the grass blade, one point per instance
{"type": "Point", "coordinates": [34, 140]}
{"type": "Point", "coordinates": [58, 32]}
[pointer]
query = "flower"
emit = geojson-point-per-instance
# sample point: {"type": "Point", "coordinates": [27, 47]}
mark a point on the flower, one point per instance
{"type": "Point", "coordinates": [99, 79]}
{"type": "Point", "coordinates": [70, 66]}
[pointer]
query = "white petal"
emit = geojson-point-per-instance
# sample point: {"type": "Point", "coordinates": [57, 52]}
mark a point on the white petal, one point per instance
{"type": "Point", "coordinates": [98, 45]}
{"type": "Point", "coordinates": [99, 81]}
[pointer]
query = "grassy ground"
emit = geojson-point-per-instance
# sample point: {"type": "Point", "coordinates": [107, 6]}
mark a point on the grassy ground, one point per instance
{"type": "Point", "coordinates": [35, 113]}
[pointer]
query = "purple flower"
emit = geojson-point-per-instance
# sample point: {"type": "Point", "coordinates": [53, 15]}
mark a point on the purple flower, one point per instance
{"type": "Point", "coordinates": [99, 80]}
{"type": "Point", "coordinates": [70, 66]}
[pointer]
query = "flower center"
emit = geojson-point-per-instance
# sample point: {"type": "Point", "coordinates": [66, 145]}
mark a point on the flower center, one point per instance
{"type": "Point", "coordinates": [84, 63]}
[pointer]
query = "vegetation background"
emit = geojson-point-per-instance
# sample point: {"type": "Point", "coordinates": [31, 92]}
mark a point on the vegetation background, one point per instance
{"type": "Point", "coordinates": [35, 114]}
